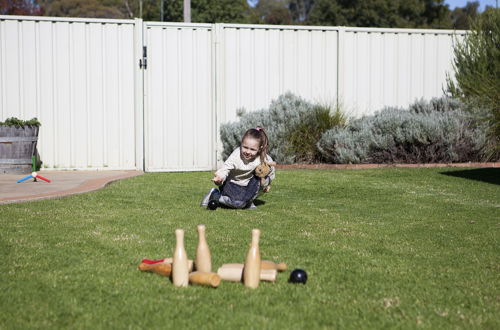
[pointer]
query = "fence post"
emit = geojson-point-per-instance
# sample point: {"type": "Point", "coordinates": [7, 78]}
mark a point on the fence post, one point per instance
{"type": "Point", "coordinates": [219, 87]}
{"type": "Point", "coordinates": [340, 64]}
{"type": "Point", "coordinates": [139, 94]}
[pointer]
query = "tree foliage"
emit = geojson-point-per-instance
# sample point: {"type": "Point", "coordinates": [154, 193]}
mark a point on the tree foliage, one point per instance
{"type": "Point", "coordinates": [463, 17]}
{"type": "Point", "coordinates": [210, 11]}
{"type": "Point", "coordinates": [102, 8]}
{"type": "Point", "coordinates": [326, 12]}
{"type": "Point", "coordinates": [477, 72]}
{"type": "Point", "coordinates": [381, 13]}
{"type": "Point", "coordinates": [271, 12]}
{"type": "Point", "coordinates": [85, 8]}
{"type": "Point", "coordinates": [20, 7]}
{"type": "Point", "coordinates": [300, 9]}
{"type": "Point", "coordinates": [362, 13]}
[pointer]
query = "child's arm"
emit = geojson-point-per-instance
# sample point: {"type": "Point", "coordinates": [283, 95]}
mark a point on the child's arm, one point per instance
{"type": "Point", "coordinates": [218, 180]}
{"type": "Point", "coordinates": [228, 165]}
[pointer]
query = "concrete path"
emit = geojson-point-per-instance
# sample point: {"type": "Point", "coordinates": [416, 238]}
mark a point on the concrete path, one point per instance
{"type": "Point", "coordinates": [63, 183]}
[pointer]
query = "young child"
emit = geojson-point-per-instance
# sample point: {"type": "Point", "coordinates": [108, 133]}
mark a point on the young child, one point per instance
{"type": "Point", "coordinates": [238, 184]}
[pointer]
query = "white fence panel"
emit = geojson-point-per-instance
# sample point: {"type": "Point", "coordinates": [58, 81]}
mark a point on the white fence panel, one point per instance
{"type": "Point", "coordinates": [179, 102]}
{"type": "Point", "coordinates": [99, 110]}
{"type": "Point", "coordinates": [361, 69]}
{"type": "Point", "coordinates": [259, 63]}
{"type": "Point", "coordinates": [77, 77]}
{"type": "Point", "coordinates": [390, 67]}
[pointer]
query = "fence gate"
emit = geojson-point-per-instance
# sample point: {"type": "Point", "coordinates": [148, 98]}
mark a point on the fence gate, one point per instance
{"type": "Point", "coordinates": [179, 111]}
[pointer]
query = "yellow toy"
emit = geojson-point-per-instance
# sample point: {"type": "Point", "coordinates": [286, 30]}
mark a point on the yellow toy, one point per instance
{"type": "Point", "coordinates": [263, 170]}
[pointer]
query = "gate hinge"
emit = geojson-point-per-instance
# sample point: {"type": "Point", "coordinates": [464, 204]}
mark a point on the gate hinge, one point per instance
{"type": "Point", "coordinates": [143, 62]}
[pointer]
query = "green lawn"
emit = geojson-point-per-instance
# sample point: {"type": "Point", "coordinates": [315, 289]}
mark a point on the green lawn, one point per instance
{"type": "Point", "coordinates": [384, 248]}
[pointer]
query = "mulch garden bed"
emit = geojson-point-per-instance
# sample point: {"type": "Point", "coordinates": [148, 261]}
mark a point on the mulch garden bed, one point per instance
{"type": "Point", "coordinates": [370, 166]}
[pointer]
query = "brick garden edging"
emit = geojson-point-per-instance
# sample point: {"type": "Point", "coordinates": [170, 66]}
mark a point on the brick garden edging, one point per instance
{"type": "Point", "coordinates": [370, 166]}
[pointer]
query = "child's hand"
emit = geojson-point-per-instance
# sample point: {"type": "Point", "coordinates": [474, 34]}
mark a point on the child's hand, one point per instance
{"type": "Point", "coordinates": [218, 180]}
{"type": "Point", "coordinates": [266, 189]}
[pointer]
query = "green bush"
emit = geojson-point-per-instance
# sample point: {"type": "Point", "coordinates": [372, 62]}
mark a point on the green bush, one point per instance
{"type": "Point", "coordinates": [477, 74]}
{"type": "Point", "coordinates": [292, 124]}
{"type": "Point", "coordinates": [13, 121]}
{"type": "Point", "coordinates": [306, 134]}
{"type": "Point", "coordinates": [428, 132]}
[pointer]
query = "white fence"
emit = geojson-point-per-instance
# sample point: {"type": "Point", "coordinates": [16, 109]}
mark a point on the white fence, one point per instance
{"type": "Point", "coordinates": [180, 129]}
{"type": "Point", "coordinates": [77, 77]}
{"type": "Point", "coordinates": [361, 69]}
{"type": "Point", "coordinates": [100, 109]}
{"type": "Point", "coordinates": [387, 67]}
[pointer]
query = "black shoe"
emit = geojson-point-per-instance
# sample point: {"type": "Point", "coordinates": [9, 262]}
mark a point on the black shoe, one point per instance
{"type": "Point", "coordinates": [206, 199]}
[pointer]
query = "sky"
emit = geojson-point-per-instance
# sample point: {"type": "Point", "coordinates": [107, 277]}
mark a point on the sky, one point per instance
{"type": "Point", "coordinates": [461, 3]}
{"type": "Point", "coordinates": [452, 3]}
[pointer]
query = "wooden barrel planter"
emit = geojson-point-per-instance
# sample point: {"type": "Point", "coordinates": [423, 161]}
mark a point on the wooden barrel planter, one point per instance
{"type": "Point", "coordinates": [17, 146]}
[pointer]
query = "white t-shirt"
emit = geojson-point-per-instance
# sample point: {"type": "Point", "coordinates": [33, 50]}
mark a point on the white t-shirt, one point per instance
{"type": "Point", "coordinates": [239, 171]}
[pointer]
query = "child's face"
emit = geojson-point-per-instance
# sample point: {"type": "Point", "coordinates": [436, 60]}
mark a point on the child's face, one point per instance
{"type": "Point", "coordinates": [250, 149]}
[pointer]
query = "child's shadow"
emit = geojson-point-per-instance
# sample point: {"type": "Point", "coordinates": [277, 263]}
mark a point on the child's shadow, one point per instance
{"type": "Point", "coordinates": [258, 202]}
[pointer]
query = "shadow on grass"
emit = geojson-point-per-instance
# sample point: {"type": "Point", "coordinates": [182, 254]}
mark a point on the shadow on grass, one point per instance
{"type": "Point", "coordinates": [489, 175]}
{"type": "Point", "coordinates": [258, 202]}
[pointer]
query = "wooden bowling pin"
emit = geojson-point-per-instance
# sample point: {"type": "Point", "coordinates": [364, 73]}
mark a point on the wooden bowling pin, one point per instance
{"type": "Point", "coordinates": [268, 275]}
{"type": "Point", "coordinates": [203, 259]}
{"type": "Point", "coordinates": [159, 268]}
{"type": "Point", "coordinates": [180, 270]}
{"type": "Point", "coordinates": [234, 273]}
{"type": "Point", "coordinates": [266, 264]}
{"type": "Point", "coordinates": [205, 278]}
{"type": "Point", "coordinates": [251, 270]}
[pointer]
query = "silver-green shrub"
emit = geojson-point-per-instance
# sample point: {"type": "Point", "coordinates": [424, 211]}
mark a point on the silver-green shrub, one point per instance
{"type": "Point", "coordinates": [440, 104]}
{"type": "Point", "coordinates": [284, 121]}
{"type": "Point", "coordinates": [427, 132]}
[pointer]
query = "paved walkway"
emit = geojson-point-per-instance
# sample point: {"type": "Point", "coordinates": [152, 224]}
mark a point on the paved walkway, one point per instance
{"type": "Point", "coordinates": [63, 183]}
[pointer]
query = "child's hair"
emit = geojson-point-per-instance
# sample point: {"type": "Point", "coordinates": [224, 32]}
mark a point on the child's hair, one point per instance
{"type": "Point", "coordinates": [259, 134]}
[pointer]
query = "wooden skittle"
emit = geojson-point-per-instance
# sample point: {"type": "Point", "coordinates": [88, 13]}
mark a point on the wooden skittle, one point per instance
{"type": "Point", "coordinates": [266, 264]}
{"type": "Point", "coordinates": [268, 275]}
{"type": "Point", "coordinates": [168, 261]}
{"type": "Point", "coordinates": [180, 270]}
{"type": "Point", "coordinates": [234, 273]}
{"type": "Point", "coordinates": [158, 268]}
{"type": "Point", "coordinates": [231, 274]}
{"type": "Point", "coordinates": [205, 278]}
{"type": "Point", "coordinates": [203, 260]}
{"type": "Point", "coordinates": [251, 270]}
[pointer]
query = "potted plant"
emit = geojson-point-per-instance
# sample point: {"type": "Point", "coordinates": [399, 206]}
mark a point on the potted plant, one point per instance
{"type": "Point", "coordinates": [18, 139]}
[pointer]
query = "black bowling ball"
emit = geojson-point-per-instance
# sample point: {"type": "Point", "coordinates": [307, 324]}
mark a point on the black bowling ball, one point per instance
{"type": "Point", "coordinates": [212, 205]}
{"type": "Point", "coordinates": [298, 276]}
